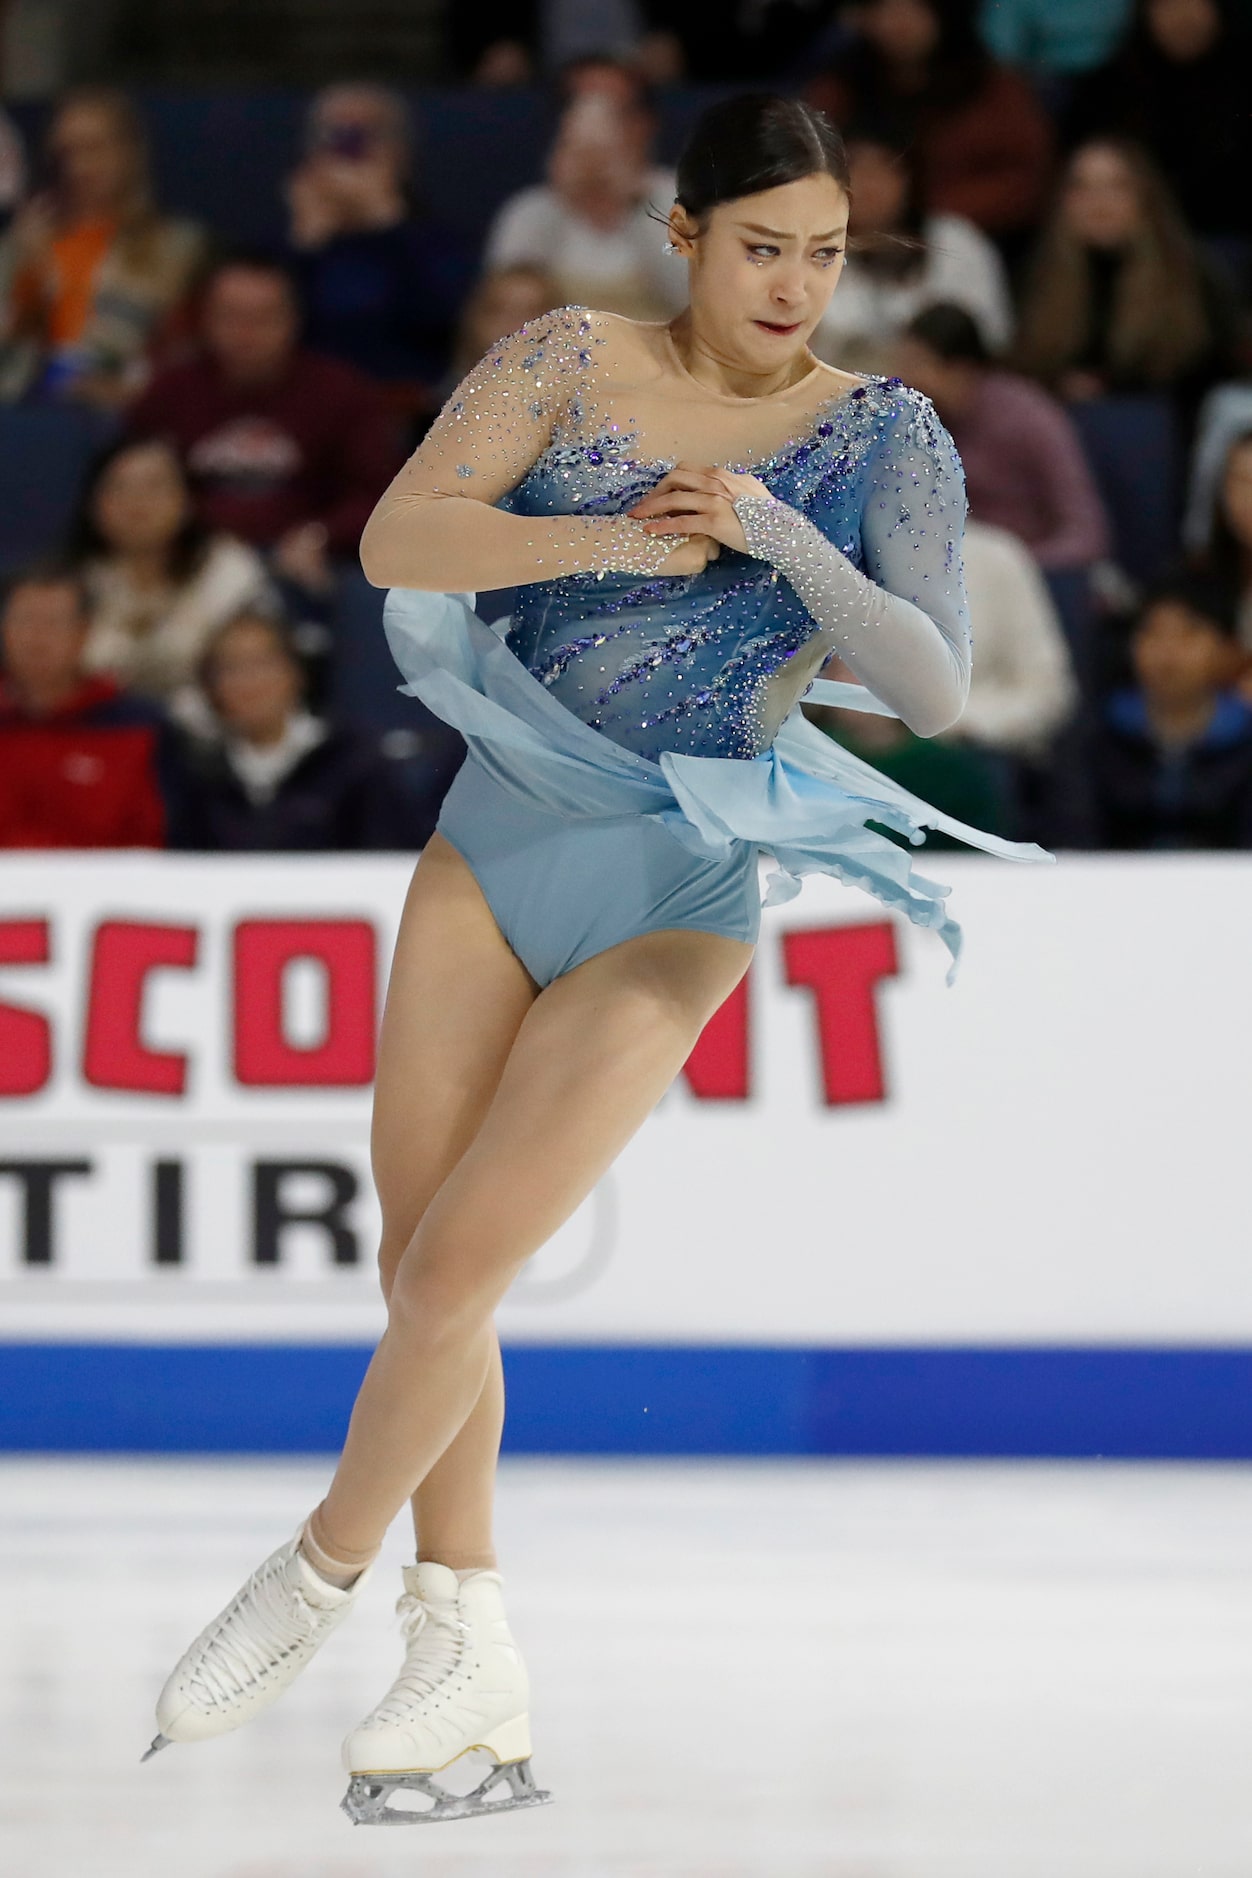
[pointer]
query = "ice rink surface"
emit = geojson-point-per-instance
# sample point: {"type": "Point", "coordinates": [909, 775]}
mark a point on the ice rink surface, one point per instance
{"type": "Point", "coordinates": [774, 1670]}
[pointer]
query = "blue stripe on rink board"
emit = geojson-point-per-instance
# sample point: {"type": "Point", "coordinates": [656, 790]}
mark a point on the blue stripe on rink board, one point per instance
{"type": "Point", "coordinates": [1191, 1403]}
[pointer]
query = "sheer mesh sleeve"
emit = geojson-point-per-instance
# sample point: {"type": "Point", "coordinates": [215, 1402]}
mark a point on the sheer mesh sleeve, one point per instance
{"type": "Point", "coordinates": [502, 414]}
{"type": "Point", "coordinates": [902, 626]}
{"type": "Point", "coordinates": [436, 526]}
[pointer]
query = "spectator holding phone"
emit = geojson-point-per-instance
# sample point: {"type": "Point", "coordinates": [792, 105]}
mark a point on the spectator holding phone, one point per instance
{"type": "Point", "coordinates": [382, 283]}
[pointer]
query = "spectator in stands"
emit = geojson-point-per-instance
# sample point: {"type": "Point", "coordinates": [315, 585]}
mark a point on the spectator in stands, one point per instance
{"type": "Point", "coordinates": [1119, 299]}
{"type": "Point", "coordinates": [1225, 419]}
{"type": "Point", "coordinates": [82, 765]}
{"type": "Point", "coordinates": [284, 448]}
{"type": "Point", "coordinates": [919, 71]}
{"type": "Point", "coordinates": [1179, 86]}
{"type": "Point", "coordinates": [499, 43]}
{"type": "Point", "coordinates": [96, 277]}
{"type": "Point", "coordinates": [1024, 467]}
{"type": "Point", "coordinates": [1168, 761]}
{"type": "Point", "coordinates": [590, 226]}
{"type": "Point", "coordinates": [276, 777]}
{"type": "Point", "coordinates": [1056, 38]}
{"type": "Point", "coordinates": [900, 260]}
{"type": "Point", "coordinates": [1227, 553]}
{"type": "Point", "coordinates": [499, 304]}
{"type": "Point", "coordinates": [381, 283]}
{"type": "Point", "coordinates": [766, 39]}
{"type": "Point", "coordinates": [511, 42]}
{"type": "Point", "coordinates": [160, 582]}
{"type": "Point", "coordinates": [12, 167]}
{"type": "Point", "coordinates": [1022, 688]}
{"type": "Point", "coordinates": [960, 780]}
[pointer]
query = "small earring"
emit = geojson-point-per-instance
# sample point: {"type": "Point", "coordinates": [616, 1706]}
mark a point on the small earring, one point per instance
{"type": "Point", "coordinates": [669, 248]}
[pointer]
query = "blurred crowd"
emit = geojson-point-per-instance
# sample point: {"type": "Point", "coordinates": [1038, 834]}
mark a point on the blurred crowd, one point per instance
{"type": "Point", "coordinates": [1051, 237]}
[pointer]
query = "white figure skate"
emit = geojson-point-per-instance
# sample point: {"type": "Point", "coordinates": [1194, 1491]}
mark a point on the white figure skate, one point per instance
{"type": "Point", "coordinates": [252, 1649]}
{"type": "Point", "coordinates": [462, 1689]}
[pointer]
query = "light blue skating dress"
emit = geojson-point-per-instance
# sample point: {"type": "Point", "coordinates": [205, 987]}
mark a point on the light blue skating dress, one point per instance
{"type": "Point", "coordinates": [635, 741]}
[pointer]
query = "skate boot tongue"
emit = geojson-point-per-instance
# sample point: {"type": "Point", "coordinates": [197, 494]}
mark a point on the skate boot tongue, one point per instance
{"type": "Point", "coordinates": [318, 1591]}
{"type": "Point", "coordinates": [439, 1584]}
{"type": "Point", "coordinates": [431, 1582]}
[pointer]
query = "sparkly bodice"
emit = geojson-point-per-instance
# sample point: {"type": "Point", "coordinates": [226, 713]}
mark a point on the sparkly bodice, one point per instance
{"type": "Point", "coordinates": [707, 665]}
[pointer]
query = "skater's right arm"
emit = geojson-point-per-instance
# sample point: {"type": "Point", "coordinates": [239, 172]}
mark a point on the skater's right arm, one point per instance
{"type": "Point", "coordinates": [436, 526]}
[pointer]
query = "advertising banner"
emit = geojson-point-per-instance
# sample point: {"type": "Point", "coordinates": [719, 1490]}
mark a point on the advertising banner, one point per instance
{"type": "Point", "coordinates": [1048, 1155]}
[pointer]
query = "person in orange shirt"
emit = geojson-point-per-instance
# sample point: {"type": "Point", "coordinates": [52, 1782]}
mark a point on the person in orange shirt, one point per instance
{"type": "Point", "coordinates": [95, 275]}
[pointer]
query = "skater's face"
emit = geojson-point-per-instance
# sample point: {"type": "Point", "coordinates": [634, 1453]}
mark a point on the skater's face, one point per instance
{"type": "Point", "coordinates": [1180, 657]}
{"type": "Point", "coordinates": [763, 268]}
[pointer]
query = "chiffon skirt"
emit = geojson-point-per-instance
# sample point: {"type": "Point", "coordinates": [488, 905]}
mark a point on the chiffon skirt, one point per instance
{"type": "Point", "coordinates": [579, 843]}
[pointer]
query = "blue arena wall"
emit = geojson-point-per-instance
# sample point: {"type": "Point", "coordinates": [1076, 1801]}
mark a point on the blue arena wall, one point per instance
{"type": "Point", "coordinates": [1182, 1403]}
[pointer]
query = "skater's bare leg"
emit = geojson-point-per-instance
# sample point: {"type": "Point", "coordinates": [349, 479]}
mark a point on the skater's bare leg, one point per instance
{"type": "Point", "coordinates": [582, 1065]}
{"type": "Point", "coordinates": [454, 1506]}
{"type": "Point", "coordinates": [456, 999]}
{"type": "Point", "coordinates": [593, 1055]}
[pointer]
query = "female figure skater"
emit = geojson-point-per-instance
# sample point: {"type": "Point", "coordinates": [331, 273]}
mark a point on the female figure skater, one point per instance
{"type": "Point", "coordinates": [698, 515]}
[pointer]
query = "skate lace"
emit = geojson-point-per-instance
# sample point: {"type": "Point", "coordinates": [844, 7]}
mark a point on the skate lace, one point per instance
{"type": "Point", "coordinates": [270, 1618]}
{"type": "Point", "coordinates": [435, 1640]}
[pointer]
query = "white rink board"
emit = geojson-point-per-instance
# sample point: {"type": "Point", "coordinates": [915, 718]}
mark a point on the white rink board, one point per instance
{"type": "Point", "coordinates": [1058, 1158]}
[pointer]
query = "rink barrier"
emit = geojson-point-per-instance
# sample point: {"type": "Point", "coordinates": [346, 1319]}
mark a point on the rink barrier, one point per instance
{"type": "Point", "coordinates": [1191, 1403]}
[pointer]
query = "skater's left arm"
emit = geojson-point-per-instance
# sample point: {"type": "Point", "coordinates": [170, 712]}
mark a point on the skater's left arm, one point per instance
{"type": "Point", "coordinates": [902, 626]}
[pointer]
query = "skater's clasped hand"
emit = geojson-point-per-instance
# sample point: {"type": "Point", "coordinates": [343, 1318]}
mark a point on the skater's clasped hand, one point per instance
{"type": "Point", "coordinates": [691, 555]}
{"type": "Point", "coordinates": [695, 501]}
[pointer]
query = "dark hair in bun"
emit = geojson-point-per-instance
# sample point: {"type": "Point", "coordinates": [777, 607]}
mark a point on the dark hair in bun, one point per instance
{"type": "Point", "coordinates": [753, 142]}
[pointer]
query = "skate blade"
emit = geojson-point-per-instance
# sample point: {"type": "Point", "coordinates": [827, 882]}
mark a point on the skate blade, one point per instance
{"type": "Point", "coordinates": [365, 1802]}
{"type": "Point", "coordinates": [159, 1742]}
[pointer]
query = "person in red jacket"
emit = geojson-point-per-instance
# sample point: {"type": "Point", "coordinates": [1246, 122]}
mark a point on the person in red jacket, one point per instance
{"type": "Point", "coordinates": [285, 448]}
{"type": "Point", "coordinates": [82, 765]}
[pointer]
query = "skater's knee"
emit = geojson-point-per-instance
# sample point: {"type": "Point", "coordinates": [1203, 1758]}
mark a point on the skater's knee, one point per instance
{"type": "Point", "coordinates": [391, 1250]}
{"type": "Point", "coordinates": [439, 1299]}
{"type": "Point", "coordinates": [400, 1226]}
